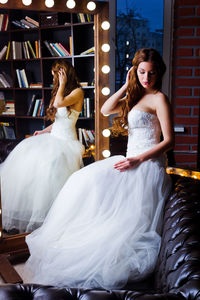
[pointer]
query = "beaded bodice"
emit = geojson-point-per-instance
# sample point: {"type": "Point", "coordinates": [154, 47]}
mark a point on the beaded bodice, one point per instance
{"type": "Point", "coordinates": [64, 124]}
{"type": "Point", "coordinates": [144, 132]}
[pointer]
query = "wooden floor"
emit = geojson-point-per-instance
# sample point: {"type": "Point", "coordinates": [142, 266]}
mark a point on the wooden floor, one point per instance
{"type": "Point", "coordinates": [8, 271]}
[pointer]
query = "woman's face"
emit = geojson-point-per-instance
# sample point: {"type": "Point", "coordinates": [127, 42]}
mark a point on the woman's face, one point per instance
{"type": "Point", "coordinates": [147, 74]}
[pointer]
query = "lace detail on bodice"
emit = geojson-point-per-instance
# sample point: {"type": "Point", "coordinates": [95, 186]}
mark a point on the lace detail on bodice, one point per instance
{"type": "Point", "coordinates": [64, 124]}
{"type": "Point", "coordinates": [144, 132]}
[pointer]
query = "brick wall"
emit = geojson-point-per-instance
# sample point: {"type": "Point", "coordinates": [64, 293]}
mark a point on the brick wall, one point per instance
{"type": "Point", "coordinates": [186, 81]}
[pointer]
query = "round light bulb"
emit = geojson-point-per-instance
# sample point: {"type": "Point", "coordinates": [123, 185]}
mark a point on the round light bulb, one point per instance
{"type": "Point", "coordinates": [0, 233]}
{"type": "Point", "coordinates": [106, 153]}
{"type": "Point", "coordinates": [3, 1]}
{"type": "Point", "coordinates": [105, 91]}
{"type": "Point", "coordinates": [105, 25]}
{"type": "Point", "coordinates": [27, 2]}
{"type": "Point", "coordinates": [70, 4]}
{"type": "Point", "coordinates": [105, 69]}
{"type": "Point", "coordinates": [106, 132]}
{"type": "Point", "coordinates": [91, 6]}
{"type": "Point", "coordinates": [105, 47]}
{"type": "Point", "coordinates": [49, 3]}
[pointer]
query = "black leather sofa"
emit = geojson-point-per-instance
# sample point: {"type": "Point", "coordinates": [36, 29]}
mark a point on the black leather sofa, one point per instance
{"type": "Point", "coordinates": [177, 273]}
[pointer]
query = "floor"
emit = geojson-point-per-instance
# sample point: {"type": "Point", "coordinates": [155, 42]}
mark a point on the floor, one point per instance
{"type": "Point", "coordinates": [20, 270]}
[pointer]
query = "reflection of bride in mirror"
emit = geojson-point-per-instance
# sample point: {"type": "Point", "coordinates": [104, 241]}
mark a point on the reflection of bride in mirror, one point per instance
{"type": "Point", "coordinates": [38, 167]}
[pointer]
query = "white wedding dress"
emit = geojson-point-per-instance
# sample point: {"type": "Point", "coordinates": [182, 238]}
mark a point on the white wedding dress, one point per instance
{"type": "Point", "coordinates": [36, 170]}
{"type": "Point", "coordinates": [103, 229]}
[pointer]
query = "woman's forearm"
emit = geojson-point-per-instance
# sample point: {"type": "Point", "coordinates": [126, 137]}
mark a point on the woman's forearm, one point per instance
{"type": "Point", "coordinates": [59, 98]}
{"type": "Point", "coordinates": [48, 128]}
{"type": "Point", "coordinates": [156, 151]}
{"type": "Point", "coordinates": [112, 104]}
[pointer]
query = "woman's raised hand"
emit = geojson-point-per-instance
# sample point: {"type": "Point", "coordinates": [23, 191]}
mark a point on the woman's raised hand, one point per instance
{"type": "Point", "coordinates": [62, 77]}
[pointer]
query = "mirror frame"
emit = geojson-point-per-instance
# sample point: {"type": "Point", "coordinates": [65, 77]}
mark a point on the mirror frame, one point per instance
{"type": "Point", "coordinates": [15, 244]}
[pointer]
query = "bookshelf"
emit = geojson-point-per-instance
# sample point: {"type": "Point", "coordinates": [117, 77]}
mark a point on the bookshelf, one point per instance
{"type": "Point", "coordinates": [74, 35]}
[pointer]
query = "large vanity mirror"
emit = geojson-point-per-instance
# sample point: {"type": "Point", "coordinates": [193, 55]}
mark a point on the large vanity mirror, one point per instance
{"type": "Point", "coordinates": [83, 18]}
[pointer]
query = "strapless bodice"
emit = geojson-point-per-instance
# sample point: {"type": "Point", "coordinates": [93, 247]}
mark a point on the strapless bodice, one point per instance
{"type": "Point", "coordinates": [64, 124]}
{"type": "Point", "coordinates": [143, 132]}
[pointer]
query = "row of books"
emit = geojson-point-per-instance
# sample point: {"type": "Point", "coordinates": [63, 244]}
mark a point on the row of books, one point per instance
{"type": "Point", "coordinates": [86, 136]}
{"type": "Point", "coordinates": [9, 107]}
{"type": "Point", "coordinates": [36, 107]}
{"type": "Point", "coordinates": [83, 18]}
{"type": "Point", "coordinates": [88, 51]}
{"type": "Point", "coordinates": [3, 22]}
{"type": "Point", "coordinates": [19, 50]}
{"type": "Point", "coordinates": [5, 80]}
{"type": "Point", "coordinates": [7, 131]}
{"type": "Point", "coordinates": [22, 78]}
{"type": "Point", "coordinates": [87, 109]}
{"type": "Point", "coordinates": [26, 23]}
{"type": "Point", "coordinates": [57, 49]}
{"type": "Point", "coordinates": [25, 49]}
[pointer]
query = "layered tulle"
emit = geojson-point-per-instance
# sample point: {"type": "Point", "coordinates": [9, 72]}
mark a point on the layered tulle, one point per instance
{"type": "Point", "coordinates": [36, 170]}
{"type": "Point", "coordinates": [103, 229]}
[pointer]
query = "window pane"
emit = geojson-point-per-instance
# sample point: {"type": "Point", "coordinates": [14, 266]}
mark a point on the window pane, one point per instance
{"type": "Point", "coordinates": [139, 25]}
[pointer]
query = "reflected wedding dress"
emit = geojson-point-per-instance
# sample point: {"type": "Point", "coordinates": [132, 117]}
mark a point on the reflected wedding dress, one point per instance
{"type": "Point", "coordinates": [104, 227]}
{"type": "Point", "coordinates": [36, 170]}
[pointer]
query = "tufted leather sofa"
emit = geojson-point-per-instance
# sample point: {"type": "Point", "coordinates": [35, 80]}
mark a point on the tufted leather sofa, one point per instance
{"type": "Point", "coordinates": [177, 273]}
{"type": "Point", "coordinates": [6, 146]}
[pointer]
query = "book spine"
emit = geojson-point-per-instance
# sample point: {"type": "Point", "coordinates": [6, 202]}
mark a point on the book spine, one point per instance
{"type": "Point", "coordinates": [55, 50]}
{"type": "Point", "coordinates": [59, 51]}
{"type": "Point", "coordinates": [19, 78]}
{"type": "Point", "coordinates": [36, 49]}
{"type": "Point", "coordinates": [25, 22]}
{"type": "Point", "coordinates": [8, 51]}
{"type": "Point", "coordinates": [31, 48]}
{"type": "Point", "coordinates": [49, 48]}
{"type": "Point", "coordinates": [37, 103]}
{"type": "Point", "coordinates": [18, 24]}
{"type": "Point", "coordinates": [31, 105]}
{"type": "Point", "coordinates": [3, 52]}
{"type": "Point", "coordinates": [34, 22]}
{"type": "Point", "coordinates": [27, 51]}
{"type": "Point", "coordinates": [70, 46]}
{"type": "Point", "coordinates": [5, 23]}
{"type": "Point", "coordinates": [4, 81]}
{"type": "Point", "coordinates": [24, 78]}
{"type": "Point", "coordinates": [65, 50]}
{"type": "Point", "coordinates": [1, 20]}
{"type": "Point", "coordinates": [24, 50]}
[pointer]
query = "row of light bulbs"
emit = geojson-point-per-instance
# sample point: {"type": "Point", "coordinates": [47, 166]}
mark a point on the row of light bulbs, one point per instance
{"type": "Point", "coordinates": [50, 3]}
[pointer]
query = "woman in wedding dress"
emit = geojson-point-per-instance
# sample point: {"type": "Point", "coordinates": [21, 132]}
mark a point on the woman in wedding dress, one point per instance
{"type": "Point", "coordinates": [37, 168]}
{"type": "Point", "coordinates": [104, 227]}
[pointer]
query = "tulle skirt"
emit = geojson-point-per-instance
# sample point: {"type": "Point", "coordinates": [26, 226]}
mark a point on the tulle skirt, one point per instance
{"type": "Point", "coordinates": [31, 177]}
{"type": "Point", "coordinates": [103, 229]}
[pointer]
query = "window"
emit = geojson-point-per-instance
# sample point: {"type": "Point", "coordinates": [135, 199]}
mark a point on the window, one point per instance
{"type": "Point", "coordinates": [137, 26]}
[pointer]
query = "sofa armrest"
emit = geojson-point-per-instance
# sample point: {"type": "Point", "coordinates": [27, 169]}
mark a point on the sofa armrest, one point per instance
{"type": "Point", "coordinates": [178, 266]}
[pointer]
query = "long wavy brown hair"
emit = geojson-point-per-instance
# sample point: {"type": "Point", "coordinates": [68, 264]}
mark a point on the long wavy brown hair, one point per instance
{"type": "Point", "coordinates": [72, 83]}
{"type": "Point", "coordinates": [135, 91]}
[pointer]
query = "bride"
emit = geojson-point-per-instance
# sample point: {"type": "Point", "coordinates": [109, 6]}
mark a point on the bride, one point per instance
{"type": "Point", "coordinates": [37, 168]}
{"type": "Point", "coordinates": [104, 227]}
